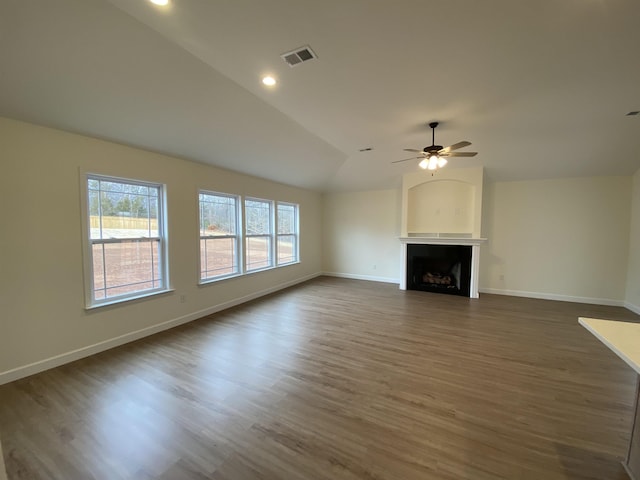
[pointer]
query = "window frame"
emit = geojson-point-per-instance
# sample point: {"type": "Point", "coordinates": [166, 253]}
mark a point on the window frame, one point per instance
{"type": "Point", "coordinates": [295, 234]}
{"type": "Point", "coordinates": [88, 257]}
{"type": "Point", "coordinates": [238, 238]}
{"type": "Point", "coordinates": [270, 236]}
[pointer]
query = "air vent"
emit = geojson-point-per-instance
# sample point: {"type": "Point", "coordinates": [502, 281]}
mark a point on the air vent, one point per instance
{"type": "Point", "coordinates": [298, 56]}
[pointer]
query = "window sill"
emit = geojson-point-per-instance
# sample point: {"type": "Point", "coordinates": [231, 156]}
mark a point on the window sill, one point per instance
{"type": "Point", "coordinates": [258, 270]}
{"type": "Point", "coordinates": [208, 281]}
{"type": "Point", "coordinates": [117, 301]}
{"type": "Point", "coordinates": [202, 283]}
{"type": "Point", "coordinates": [295, 262]}
{"type": "Point", "coordinates": [273, 267]}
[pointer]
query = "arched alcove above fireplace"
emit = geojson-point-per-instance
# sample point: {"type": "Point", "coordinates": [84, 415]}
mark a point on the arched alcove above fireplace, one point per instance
{"type": "Point", "coordinates": [445, 204]}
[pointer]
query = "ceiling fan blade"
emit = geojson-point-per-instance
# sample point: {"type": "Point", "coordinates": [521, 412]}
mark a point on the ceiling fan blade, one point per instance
{"type": "Point", "coordinates": [459, 154]}
{"type": "Point", "coordinates": [412, 150]}
{"type": "Point", "coordinates": [406, 159]}
{"type": "Point", "coordinates": [455, 146]}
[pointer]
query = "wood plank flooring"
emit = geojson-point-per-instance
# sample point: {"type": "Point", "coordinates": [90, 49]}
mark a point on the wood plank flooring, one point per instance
{"type": "Point", "coordinates": [337, 379]}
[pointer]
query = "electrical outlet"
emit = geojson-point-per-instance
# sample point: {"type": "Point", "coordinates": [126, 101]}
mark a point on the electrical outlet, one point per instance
{"type": "Point", "coordinates": [183, 299]}
{"type": "Point", "coordinates": [375, 266]}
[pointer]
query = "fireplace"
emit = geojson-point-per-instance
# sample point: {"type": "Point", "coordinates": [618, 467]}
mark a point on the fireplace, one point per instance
{"type": "Point", "coordinates": [444, 271]}
{"type": "Point", "coordinates": [439, 268]}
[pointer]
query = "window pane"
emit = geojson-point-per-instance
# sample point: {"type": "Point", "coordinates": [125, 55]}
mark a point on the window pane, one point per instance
{"type": "Point", "coordinates": [218, 256]}
{"type": "Point", "coordinates": [127, 267]}
{"type": "Point", "coordinates": [258, 217]}
{"type": "Point", "coordinates": [286, 218]}
{"type": "Point", "coordinates": [218, 215]}
{"type": "Point", "coordinates": [286, 249]}
{"type": "Point", "coordinates": [98, 271]}
{"type": "Point", "coordinates": [107, 186]}
{"type": "Point", "coordinates": [153, 215]}
{"type": "Point", "coordinates": [119, 210]}
{"type": "Point", "coordinates": [258, 252]}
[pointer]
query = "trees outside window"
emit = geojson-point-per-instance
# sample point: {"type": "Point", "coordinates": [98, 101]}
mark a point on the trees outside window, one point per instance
{"type": "Point", "coordinates": [219, 252]}
{"type": "Point", "coordinates": [287, 237]}
{"type": "Point", "coordinates": [258, 216]}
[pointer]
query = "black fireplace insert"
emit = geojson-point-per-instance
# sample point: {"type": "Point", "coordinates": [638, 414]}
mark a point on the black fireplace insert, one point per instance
{"type": "Point", "coordinates": [439, 268]}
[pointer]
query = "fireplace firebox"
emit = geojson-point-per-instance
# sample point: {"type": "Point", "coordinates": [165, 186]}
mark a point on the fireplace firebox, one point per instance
{"type": "Point", "coordinates": [439, 268]}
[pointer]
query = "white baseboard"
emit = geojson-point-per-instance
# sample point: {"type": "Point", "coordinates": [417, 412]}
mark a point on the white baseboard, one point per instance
{"type": "Point", "coordinates": [553, 296]}
{"type": "Point", "coordinates": [634, 308]}
{"type": "Point", "coordinates": [56, 361]}
{"type": "Point", "coordinates": [362, 277]}
{"type": "Point", "coordinates": [630, 474]}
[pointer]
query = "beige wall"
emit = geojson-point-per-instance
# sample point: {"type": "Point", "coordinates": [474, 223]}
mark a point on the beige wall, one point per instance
{"type": "Point", "coordinates": [568, 239]}
{"type": "Point", "coordinates": [3, 472]}
{"type": "Point", "coordinates": [563, 238]}
{"type": "Point", "coordinates": [632, 297]}
{"type": "Point", "coordinates": [41, 279]}
{"type": "Point", "coordinates": [361, 234]}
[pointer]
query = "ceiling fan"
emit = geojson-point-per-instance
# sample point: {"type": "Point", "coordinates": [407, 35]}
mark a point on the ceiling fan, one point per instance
{"type": "Point", "coordinates": [433, 156]}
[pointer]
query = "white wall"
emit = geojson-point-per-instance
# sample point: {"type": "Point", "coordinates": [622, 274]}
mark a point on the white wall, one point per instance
{"type": "Point", "coordinates": [632, 297]}
{"type": "Point", "coordinates": [41, 280]}
{"type": "Point", "coordinates": [361, 234]}
{"type": "Point", "coordinates": [565, 238]}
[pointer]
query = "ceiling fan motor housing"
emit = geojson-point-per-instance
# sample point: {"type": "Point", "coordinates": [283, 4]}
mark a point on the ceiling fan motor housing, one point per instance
{"type": "Point", "coordinates": [432, 149]}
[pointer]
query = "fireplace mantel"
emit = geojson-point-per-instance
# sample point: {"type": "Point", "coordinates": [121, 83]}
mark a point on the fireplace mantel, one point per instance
{"type": "Point", "coordinates": [445, 240]}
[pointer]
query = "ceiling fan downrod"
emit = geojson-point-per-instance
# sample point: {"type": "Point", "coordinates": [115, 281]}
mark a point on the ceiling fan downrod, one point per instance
{"type": "Point", "coordinates": [433, 126]}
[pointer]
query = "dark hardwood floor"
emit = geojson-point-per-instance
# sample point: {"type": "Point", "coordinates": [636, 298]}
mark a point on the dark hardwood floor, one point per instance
{"type": "Point", "coordinates": [337, 379]}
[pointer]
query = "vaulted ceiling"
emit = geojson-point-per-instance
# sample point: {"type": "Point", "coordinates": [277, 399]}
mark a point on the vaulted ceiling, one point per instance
{"type": "Point", "coordinates": [541, 89]}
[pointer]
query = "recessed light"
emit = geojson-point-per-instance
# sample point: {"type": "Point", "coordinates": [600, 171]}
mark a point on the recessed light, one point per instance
{"type": "Point", "coordinates": [162, 3]}
{"type": "Point", "coordinates": [269, 81]}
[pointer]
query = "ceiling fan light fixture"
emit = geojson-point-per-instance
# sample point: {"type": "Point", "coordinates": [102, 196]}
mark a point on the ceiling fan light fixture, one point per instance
{"type": "Point", "coordinates": [430, 157]}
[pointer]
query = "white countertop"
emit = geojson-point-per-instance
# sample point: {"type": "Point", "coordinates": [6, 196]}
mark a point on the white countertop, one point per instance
{"type": "Point", "coordinates": [621, 337]}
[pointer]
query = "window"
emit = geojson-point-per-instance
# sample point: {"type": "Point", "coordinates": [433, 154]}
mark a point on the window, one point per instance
{"type": "Point", "coordinates": [259, 233]}
{"type": "Point", "coordinates": [127, 240]}
{"type": "Point", "coordinates": [218, 235]}
{"type": "Point", "coordinates": [287, 238]}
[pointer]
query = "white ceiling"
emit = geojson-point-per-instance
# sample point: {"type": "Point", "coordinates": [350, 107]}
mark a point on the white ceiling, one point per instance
{"type": "Point", "coordinates": [540, 88]}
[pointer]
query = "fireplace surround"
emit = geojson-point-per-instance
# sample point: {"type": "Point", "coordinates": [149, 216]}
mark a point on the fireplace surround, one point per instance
{"type": "Point", "coordinates": [448, 206]}
{"type": "Point", "coordinates": [472, 244]}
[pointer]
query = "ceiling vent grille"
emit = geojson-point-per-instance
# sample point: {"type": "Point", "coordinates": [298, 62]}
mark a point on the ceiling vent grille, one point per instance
{"type": "Point", "coordinates": [298, 56]}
